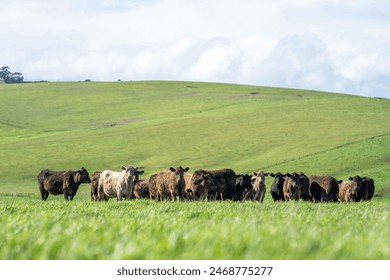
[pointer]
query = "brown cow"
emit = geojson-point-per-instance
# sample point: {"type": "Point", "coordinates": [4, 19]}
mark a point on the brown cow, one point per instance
{"type": "Point", "coordinates": [171, 183]}
{"type": "Point", "coordinates": [153, 192]}
{"type": "Point", "coordinates": [141, 189]}
{"type": "Point", "coordinates": [291, 187]}
{"type": "Point", "coordinates": [258, 190]}
{"type": "Point", "coordinates": [214, 183]}
{"type": "Point", "coordinates": [324, 188]}
{"type": "Point", "coordinates": [94, 185]}
{"type": "Point", "coordinates": [347, 191]}
{"type": "Point", "coordinates": [187, 180]}
{"type": "Point", "coordinates": [296, 186]}
{"type": "Point", "coordinates": [61, 182]}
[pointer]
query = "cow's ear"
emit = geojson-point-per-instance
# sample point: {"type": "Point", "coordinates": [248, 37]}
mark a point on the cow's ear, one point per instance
{"type": "Point", "coordinates": [350, 178]}
{"type": "Point", "coordinates": [254, 173]}
{"type": "Point", "coordinates": [172, 169]}
{"type": "Point", "coordinates": [339, 181]}
{"type": "Point", "coordinates": [123, 167]}
{"type": "Point", "coordinates": [186, 169]}
{"type": "Point", "coordinates": [288, 175]}
{"type": "Point", "coordinates": [272, 174]}
{"type": "Point", "coordinates": [266, 174]}
{"type": "Point", "coordinates": [80, 172]}
{"type": "Point", "coordinates": [141, 172]}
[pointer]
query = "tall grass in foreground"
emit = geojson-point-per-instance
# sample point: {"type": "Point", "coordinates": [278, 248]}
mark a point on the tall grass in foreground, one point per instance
{"type": "Point", "coordinates": [145, 229]}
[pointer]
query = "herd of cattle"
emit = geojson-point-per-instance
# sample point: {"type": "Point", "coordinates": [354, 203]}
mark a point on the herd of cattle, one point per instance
{"type": "Point", "coordinates": [176, 183]}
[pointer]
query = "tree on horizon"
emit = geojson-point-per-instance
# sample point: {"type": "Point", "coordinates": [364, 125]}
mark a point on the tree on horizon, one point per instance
{"type": "Point", "coordinates": [10, 78]}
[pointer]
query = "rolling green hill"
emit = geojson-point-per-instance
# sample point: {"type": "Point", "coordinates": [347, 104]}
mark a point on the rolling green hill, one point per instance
{"type": "Point", "coordinates": [155, 124]}
{"type": "Point", "coordinates": [201, 125]}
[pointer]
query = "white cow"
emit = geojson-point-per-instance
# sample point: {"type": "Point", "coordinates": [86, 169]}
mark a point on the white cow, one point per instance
{"type": "Point", "coordinates": [118, 184]}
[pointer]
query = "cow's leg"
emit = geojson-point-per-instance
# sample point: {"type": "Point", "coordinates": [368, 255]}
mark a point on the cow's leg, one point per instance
{"type": "Point", "coordinates": [256, 196]}
{"type": "Point", "coordinates": [66, 196]}
{"type": "Point", "coordinates": [128, 195]}
{"type": "Point", "coordinates": [261, 198]}
{"type": "Point", "coordinates": [173, 195]}
{"type": "Point", "coordinates": [44, 194]}
{"type": "Point", "coordinates": [42, 191]}
{"type": "Point", "coordinates": [245, 196]}
{"type": "Point", "coordinates": [118, 195]}
{"type": "Point", "coordinates": [100, 194]}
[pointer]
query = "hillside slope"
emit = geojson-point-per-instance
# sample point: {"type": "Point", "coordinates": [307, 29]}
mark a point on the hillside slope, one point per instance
{"type": "Point", "coordinates": [201, 125]}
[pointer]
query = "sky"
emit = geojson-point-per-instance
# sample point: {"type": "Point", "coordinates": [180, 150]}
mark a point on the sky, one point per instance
{"type": "Point", "coordinates": [336, 45]}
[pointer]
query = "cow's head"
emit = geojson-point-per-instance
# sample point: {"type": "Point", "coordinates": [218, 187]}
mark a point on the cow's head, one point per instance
{"type": "Point", "coordinates": [258, 180]}
{"type": "Point", "coordinates": [84, 175]}
{"type": "Point", "coordinates": [177, 174]}
{"type": "Point", "coordinates": [132, 173]}
{"type": "Point", "coordinates": [294, 178]}
{"type": "Point", "coordinates": [279, 178]}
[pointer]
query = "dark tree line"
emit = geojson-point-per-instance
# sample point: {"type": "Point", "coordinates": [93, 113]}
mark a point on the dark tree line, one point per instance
{"type": "Point", "coordinates": [8, 77]}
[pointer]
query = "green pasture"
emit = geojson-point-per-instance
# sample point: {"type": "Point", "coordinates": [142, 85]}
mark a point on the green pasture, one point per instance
{"type": "Point", "coordinates": [145, 229]}
{"type": "Point", "coordinates": [158, 124]}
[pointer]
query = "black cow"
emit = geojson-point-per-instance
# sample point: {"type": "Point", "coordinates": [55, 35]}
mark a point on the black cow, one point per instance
{"type": "Point", "coordinates": [61, 182]}
{"type": "Point", "coordinates": [277, 186]}
{"type": "Point", "coordinates": [370, 187]}
{"type": "Point", "coordinates": [365, 187]}
{"type": "Point", "coordinates": [305, 184]}
{"type": "Point", "coordinates": [243, 185]}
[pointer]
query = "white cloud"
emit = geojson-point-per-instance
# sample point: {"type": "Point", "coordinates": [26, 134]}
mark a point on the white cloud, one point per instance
{"type": "Point", "coordinates": [333, 45]}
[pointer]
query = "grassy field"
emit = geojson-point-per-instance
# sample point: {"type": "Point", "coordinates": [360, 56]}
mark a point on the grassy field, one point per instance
{"type": "Point", "coordinates": [201, 125]}
{"type": "Point", "coordinates": [193, 230]}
